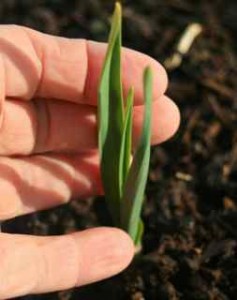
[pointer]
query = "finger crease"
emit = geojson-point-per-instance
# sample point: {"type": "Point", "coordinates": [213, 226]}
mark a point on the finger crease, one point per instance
{"type": "Point", "coordinates": [86, 92]}
{"type": "Point", "coordinates": [43, 126]}
{"type": "Point", "coordinates": [78, 261]}
{"type": "Point", "coordinates": [41, 59]}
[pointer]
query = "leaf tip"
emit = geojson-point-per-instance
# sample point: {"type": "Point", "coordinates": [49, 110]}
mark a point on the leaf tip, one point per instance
{"type": "Point", "coordinates": [148, 72]}
{"type": "Point", "coordinates": [118, 8]}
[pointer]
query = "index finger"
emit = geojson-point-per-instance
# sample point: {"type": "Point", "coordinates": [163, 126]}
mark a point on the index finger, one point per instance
{"type": "Point", "coordinates": [40, 65]}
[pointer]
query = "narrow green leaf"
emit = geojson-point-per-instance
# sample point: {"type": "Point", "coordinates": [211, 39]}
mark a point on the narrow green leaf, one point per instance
{"type": "Point", "coordinates": [126, 143]}
{"type": "Point", "coordinates": [111, 117]}
{"type": "Point", "coordinates": [124, 183]}
{"type": "Point", "coordinates": [135, 185]}
{"type": "Point", "coordinates": [139, 235]}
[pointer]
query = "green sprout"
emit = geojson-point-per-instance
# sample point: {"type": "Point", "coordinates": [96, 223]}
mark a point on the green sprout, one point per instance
{"type": "Point", "coordinates": [124, 171]}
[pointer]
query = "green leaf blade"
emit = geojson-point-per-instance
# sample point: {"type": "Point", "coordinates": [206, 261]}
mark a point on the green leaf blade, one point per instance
{"type": "Point", "coordinates": [111, 118]}
{"type": "Point", "coordinates": [135, 186]}
{"type": "Point", "coordinates": [126, 142]}
{"type": "Point", "coordinates": [124, 182]}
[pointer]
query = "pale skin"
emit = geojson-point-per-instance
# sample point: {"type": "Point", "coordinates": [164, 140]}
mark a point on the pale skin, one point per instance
{"type": "Point", "coordinates": [48, 154]}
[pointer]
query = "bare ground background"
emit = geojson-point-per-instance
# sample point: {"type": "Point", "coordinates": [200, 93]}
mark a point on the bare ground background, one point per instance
{"type": "Point", "coordinates": [190, 213]}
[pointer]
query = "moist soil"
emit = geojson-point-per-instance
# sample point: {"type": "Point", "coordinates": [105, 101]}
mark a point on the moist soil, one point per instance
{"type": "Point", "coordinates": [190, 214]}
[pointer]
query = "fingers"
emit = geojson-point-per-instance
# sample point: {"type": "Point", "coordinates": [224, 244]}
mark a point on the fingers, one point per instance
{"type": "Point", "coordinates": [40, 182]}
{"type": "Point", "coordinates": [36, 64]}
{"type": "Point", "coordinates": [59, 126]}
{"type": "Point", "coordinates": [45, 264]}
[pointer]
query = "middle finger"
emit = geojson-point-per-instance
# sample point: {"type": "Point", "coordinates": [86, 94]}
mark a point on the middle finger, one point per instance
{"type": "Point", "coordinates": [42, 126]}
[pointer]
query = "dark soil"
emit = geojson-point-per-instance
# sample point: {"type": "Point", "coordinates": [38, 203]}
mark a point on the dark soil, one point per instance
{"type": "Point", "coordinates": [190, 213]}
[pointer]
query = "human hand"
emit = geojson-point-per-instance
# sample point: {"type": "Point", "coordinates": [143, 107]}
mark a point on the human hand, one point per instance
{"type": "Point", "coordinates": [48, 140]}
